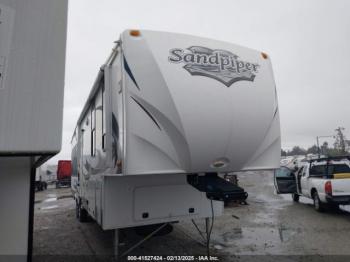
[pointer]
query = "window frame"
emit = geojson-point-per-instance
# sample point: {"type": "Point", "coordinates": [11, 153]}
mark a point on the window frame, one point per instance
{"type": "Point", "coordinates": [93, 130]}
{"type": "Point", "coordinates": [103, 92]}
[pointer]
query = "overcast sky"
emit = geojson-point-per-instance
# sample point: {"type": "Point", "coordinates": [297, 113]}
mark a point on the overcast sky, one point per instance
{"type": "Point", "coordinates": [307, 41]}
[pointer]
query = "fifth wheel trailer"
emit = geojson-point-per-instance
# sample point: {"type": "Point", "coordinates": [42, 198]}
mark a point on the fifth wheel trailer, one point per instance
{"type": "Point", "coordinates": [166, 114]}
{"type": "Point", "coordinates": [32, 62]}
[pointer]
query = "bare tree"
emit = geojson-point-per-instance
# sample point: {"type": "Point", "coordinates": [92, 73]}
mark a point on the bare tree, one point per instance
{"type": "Point", "coordinates": [339, 143]}
{"type": "Point", "coordinates": [324, 148]}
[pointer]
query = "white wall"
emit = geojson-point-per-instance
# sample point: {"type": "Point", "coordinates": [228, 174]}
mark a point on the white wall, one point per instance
{"type": "Point", "coordinates": [32, 51]}
{"type": "Point", "coordinates": [14, 205]}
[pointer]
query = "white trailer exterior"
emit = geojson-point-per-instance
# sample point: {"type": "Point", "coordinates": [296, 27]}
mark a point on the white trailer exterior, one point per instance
{"type": "Point", "coordinates": [165, 106]}
{"type": "Point", "coordinates": [32, 62]}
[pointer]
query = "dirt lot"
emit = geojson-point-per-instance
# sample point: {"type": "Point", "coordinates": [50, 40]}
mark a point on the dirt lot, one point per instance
{"type": "Point", "coordinates": [269, 228]}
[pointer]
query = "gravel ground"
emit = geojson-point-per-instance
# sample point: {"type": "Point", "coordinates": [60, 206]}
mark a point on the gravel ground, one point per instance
{"type": "Point", "coordinates": [269, 228]}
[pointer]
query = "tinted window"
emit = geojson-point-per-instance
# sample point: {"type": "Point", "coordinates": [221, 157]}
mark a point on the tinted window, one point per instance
{"type": "Point", "coordinates": [337, 169]}
{"type": "Point", "coordinates": [283, 172]}
{"type": "Point", "coordinates": [318, 170]}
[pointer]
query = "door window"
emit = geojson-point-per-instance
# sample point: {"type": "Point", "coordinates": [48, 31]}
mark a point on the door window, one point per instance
{"type": "Point", "coordinates": [283, 172]}
{"type": "Point", "coordinates": [318, 170]}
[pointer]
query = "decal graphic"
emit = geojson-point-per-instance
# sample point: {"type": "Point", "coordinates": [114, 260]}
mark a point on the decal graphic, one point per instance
{"type": "Point", "coordinates": [218, 64]}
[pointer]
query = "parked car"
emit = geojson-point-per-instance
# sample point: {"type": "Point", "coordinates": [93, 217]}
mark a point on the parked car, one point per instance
{"type": "Point", "coordinates": [325, 180]}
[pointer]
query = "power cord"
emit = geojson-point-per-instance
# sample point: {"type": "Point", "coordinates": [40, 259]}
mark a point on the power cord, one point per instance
{"type": "Point", "coordinates": [211, 228]}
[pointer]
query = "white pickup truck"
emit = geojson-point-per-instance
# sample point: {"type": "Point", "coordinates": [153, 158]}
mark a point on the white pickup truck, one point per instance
{"type": "Point", "coordinates": [325, 180]}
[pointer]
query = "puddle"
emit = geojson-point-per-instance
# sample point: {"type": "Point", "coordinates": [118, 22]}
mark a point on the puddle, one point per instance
{"type": "Point", "coordinates": [51, 195]}
{"type": "Point", "coordinates": [49, 207]}
{"type": "Point", "coordinates": [52, 199]}
{"type": "Point", "coordinates": [254, 240]}
{"type": "Point", "coordinates": [218, 247]}
{"type": "Point", "coordinates": [65, 196]}
{"type": "Point", "coordinates": [285, 234]}
{"type": "Point", "coordinates": [265, 218]}
{"type": "Point", "coordinates": [231, 237]}
{"type": "Point", "coordinates": [54, 204]}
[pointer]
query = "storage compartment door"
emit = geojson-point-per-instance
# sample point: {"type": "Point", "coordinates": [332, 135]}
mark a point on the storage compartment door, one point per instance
{"type": "Point", "coordinates": [166, 201]}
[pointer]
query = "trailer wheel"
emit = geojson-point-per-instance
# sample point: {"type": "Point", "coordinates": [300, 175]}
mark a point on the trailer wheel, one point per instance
{"type": "Point", "coordinates": [82, 214]}
{"type": "Point", "coordinates": [77, 209]}
{"type": "Point", "coordinates": [295, 197]}
{"type": "Point", "coordinates": [317, 202]}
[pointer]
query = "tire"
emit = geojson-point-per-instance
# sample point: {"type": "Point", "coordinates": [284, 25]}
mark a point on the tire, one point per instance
{"type": "Point", "coordinates": [77, 212]}
{"type": "Point", "coordinates": [295, 197]}
{"type": "Point", "coordinates": [83, 215]}
{"type": "Point", "coordinates": [317, 202]}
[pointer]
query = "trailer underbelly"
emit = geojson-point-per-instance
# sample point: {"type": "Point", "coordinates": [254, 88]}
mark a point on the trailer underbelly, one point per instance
{"type": "Point", "coordinates": [129, 201]}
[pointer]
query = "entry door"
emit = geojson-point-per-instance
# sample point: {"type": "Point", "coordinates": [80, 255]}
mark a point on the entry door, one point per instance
{"type": "Point", "coordinates": [285, 181]}
{"type": "Point", "coordinates": [81, 163]}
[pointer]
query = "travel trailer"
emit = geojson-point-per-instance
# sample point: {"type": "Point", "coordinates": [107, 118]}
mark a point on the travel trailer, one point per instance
{"type": "Point", "coordinates": [32, 62]}
{"type": "Point", "coordinates": [167, 113]}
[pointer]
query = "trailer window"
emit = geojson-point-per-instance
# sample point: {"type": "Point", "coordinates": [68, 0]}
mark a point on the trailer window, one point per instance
{"type": "Point", "coordinates": [93, 130]}
{"type": "Point", "coordinates": [99, 120]}
{"type": "Point", "coordinates": [103, 118]}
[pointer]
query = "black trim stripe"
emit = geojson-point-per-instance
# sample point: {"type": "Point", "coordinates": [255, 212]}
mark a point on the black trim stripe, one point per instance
{"type": "Point", "coordinates": [148, 113]}
{"type": "Point", "coordinates": [128, 70]}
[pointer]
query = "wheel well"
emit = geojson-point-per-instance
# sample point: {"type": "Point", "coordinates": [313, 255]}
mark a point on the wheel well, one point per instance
{"type": "Point", "coordinates": [313, 191]}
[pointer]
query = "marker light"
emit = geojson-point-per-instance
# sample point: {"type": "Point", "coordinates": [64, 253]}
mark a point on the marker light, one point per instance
{"type": "Point", "coordinates": [264, 55]}
{"type": "Point", "coordinates": [220, 162]}
{"type": "Point", "coordinates": [135, 33]}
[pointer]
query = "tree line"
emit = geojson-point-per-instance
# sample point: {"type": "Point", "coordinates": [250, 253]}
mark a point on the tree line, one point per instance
{"type": "Point", "coordinates": [340, 147]}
